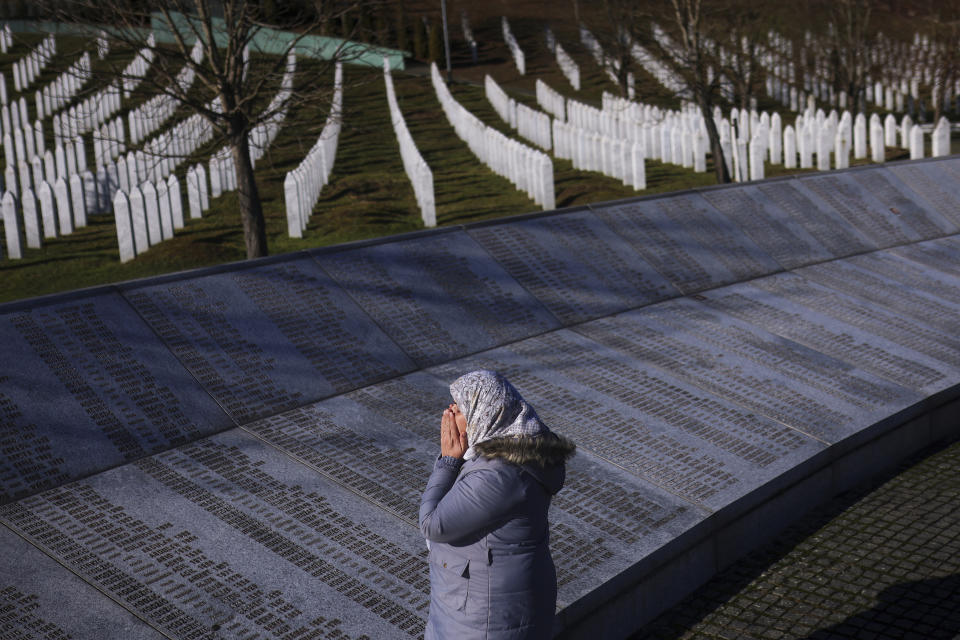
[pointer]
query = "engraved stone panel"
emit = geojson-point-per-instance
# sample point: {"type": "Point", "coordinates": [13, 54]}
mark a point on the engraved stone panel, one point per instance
{"type": "Point", "coordinates": [756, 304]}
{"type": "Point", "coordinates": [265, 339]}
{"type": "Point", "coordinates": [826, 225]}
{"type": "Point", "coordinates": [942, 254]}
{"type": "Point", "coordinates": [917, 306]}
{"type": "Point", "coordinates": [229, 535]}
{"type": "Point", "coordinates": [818, 395]}
{"type": "Point", "coordinates": [41, 599]}
{"type": "Point", "coordinates": [937, 187]}
{"type": "Point", "coordinates": [912, 276]}
{"type": "Point", "coordinates": [688, 241]}
{"type": "Point", "coordinates": [781, 235]}
{"type": "Point", "coordinates": [602, 522]}
{"type": "Point", "coordinates": [874, 319]}
{"type": "Point", "coordinates": [439, 296]}
{"type": "Point", "coordinates": [848, 199]}
{"type": "Point", "coordinates": [904, 202]}
{"type": "Point", "coordinates": [92, 388]}
{"type": "Point", "coordinates": [574, 265]}
{"type": "Point", "coordinates": [651, 423]}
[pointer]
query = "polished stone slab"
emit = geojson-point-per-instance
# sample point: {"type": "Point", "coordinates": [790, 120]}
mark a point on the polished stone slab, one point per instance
{"type": "Point", "coordinates": [852, 201]}
{"type": "Point", "coordinates": [438, 296]}
{"type": "Point", "coordinates": [41, 599]}
{"type": "Point", "coordinates": [263, 339]}
{"type": "Point", "coordinates": [652, 424]}
{"type": "Point", "coordinates": [872, 288]}
{"type": "Point", "coordinates": [942, 254]}
{"type": "Point", "coordinates": [818, 395]}
{"type": "Point", "coordinates": [688, 241]}
{"type": "Point", "coordinates": [86, 385]}
{"type": "Point", "coordinates": [901, 200]}
{"type": "Point", "coordinates": [934, 186]}
{"type": "Point", "coordinates": [911, 276]}
{"type": "Point", "coordinates": [829, 228]}
{"type": "Point", "coordinates": [757, 303]}
{"type": "Point", "coordinates": [602, 522]}
{"type": "Point", "coordinates": [783, 236]}
{"type": "Point", "coordinates": [574, 264]}
{"type": "Point", "coordinates": [231, 536]}
{"type": "Point", "coordinates": [875, 320]}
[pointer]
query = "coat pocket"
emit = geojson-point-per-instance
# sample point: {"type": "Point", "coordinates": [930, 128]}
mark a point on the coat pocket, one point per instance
{"type": "Point", "coordinates": [450, 579]}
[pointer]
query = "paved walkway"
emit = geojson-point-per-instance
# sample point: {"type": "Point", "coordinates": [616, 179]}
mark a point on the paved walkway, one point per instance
{"type": "Point", "coordinates": [881, 561]}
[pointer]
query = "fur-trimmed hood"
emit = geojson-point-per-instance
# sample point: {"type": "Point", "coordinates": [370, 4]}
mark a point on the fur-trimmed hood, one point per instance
{"type": "Point", "coordinates": [543, 456]}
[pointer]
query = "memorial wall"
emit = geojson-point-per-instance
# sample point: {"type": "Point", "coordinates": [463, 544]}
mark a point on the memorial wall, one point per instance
{"type": "Point", "coordinates": [239, 452]}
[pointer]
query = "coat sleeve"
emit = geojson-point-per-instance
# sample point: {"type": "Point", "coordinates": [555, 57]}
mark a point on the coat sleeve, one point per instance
{"type": "Point", "coordinates": [451, 510]}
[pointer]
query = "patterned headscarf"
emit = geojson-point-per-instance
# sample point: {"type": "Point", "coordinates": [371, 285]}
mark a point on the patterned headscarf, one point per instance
{"type": "Point", "coordinates": [493, 409]}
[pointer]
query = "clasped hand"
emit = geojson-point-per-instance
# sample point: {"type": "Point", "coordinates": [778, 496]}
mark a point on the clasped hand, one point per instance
{"type": "Point", "coordinates": [453, 432]}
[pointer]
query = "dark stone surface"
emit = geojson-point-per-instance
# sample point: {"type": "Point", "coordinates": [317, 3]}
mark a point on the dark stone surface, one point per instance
{"type": "Point", "coordinates": [780, 234]}
{"type": "Point", "coordinates": [619, 407]}
{"type": "Point", "coordinates": [829, 228]}
{"type": "Point", "coordinates": [758, 304]}
{"type": "Point", "coordinates": [688, 241]}
{"type": "Point", "coordinates": [942, 254]}
{"type": "Point", "coordinates": [851, 201]}
{"type": "Point", "coordinates": [574, 264]}
{"type": "Point", "coordinates": [890, 192]}
{"type": "Point", "coordinates": [812, 392]}
{"type": "Point", "coordinates": [41, 599]}
{"type": "Point", "coordinates": [438, 296]}
{"type": "Point", "coordinates": [937, 188]}
{"type": "Point", "coordinates": [871, 288]}
{"type": "Point", "coordinates": [229, 535]}
{"type": "Point", "coordinates": [86, 385]}
{"type": "Point", "coordinates": [264, 339]}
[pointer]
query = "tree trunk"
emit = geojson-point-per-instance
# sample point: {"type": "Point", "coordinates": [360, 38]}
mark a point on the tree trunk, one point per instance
{"type": "Point", "coordinates": [251, 210]}
{"type": "Point", "coordinates": [719, 163]}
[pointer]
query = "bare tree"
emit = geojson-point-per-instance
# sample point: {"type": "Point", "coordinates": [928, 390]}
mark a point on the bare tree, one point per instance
{"type": "Point", "coordinates": [942, 26]}
{"type": "Point", "coordinates": [229, 91]}
{"type": "Point", "coordinates": [851, 40]}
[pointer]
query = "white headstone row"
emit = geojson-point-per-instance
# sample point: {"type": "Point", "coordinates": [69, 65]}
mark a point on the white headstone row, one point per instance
{"type": "Point", "coordinates": [146, 216]}
{"type": "Point", "coordinates": [6, 38]}
{"type": "Point", "coordinates": [610, 66]}
{"type": "Point", "coordinates": [570, 69]}
{"type": "Point", "coordinates": [134, 72]}
{"type": "Point", "coordinates": [263, 135]}
{"type": "Point", "coordinates": [419, 173]}
{"type": "Point", "coordinates": [103, 44]}
{"type": "Point", "coordinates": [302, 188]}
{"type": "Point", "coordinates": [64, 87]}
{"type": "Point", "coordinates": [589, 151]}
{"type": "Point", "coordinates": [551, 101]}
{"type": "Point", "coordinates": [530, 170]}
{"type": "Point", "coordinates": [664, 74]}
{"type": "Point", "coordinates": [529, 123]}
{"type": "Point", "coordinates": [28, 68]}
{"type": "Point", "coordinates": [515, 50]}
{"type": "Point", "coordinates": [146, 119]}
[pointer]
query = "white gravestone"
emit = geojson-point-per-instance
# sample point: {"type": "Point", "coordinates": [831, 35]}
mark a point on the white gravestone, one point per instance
{"type": "Point", "coordinates": [38, 140]}
{"type": "Point", "coordinates": [138, 221]}
{"type": "Point", "coordinates": [31, 222]}
{"type": "Point", "coordinates": [193, 193]}
{"type": "Point", "coordinates": [90, 200]}
{"type": "Point", "coordinates": [10, 179]}
{"type": "Point", "coordinates": [11, 226]}
{"type": "Point", "coordinates": [916, 143]}
{"type": "Point", "coordinates": [36, 169]}
{"type": "Point", "coordinates": [24, 172]}
{"type": "Point", "coordinates": [9, 153]}
{"type": "Point", "coordinates": [163, 204]}
{"type": "Point", "coordinates": [216, 188]}
{"type": "Point", "coordinates": [176, 203]}
{"type": "Point", "coordinates": [19, 146]}
{"type": "Point", "coordinates": [77, 200]}
{"type": "Point", "coordinates": [71, 155]}
{"type": "Point", "coordinates": [124, 224]}
{"type": "Point", "coordinates": [860, 137]}
{"type": "Point", "coordinates": [48, 212]}
{"type": "Point", "coordinates": [49, 167]}
{"type": "Point", "coordinates": [61, 192]}
{"type": "Point", "coordinates": [60, 157]}
{"type": "Point", "coordinates": [133, 173]}
{"type": "Point", "coordinates": [877, 151]}
{"type": "Point", "coordinates": [789, 147]}
{"type": "Point", "coordinates": [156, 231]}
{"type": "Point", "coordinates": [291, 196]}
{"type": "Point", "coordinates": [204, 189]}
{"type": "Point", "coordinates": [941, 138]}
{"type": "Point", "coordinates": [123, 175]}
